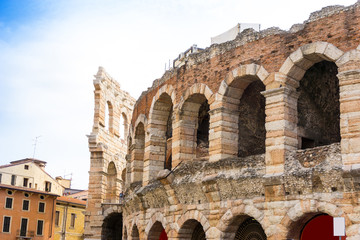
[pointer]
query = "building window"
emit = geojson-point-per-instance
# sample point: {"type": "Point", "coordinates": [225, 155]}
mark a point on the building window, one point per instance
{"type": "Point", "coordinates": [23, 228]}
{"type": "Point", "coordinates": [9, 203]}
{"type": "Point", "coordinates": [57, 218]}
{"type": "Point", "coordinates": [26, 167]}
{"type": "Point", "coordinates": [26, 195]}
{"type": "Point", "coordinates": [72, 221]}
{"type": "Point", "coordinates": [40, 226]}
{"type": "Point", "coordinates": [0, 177]}
{"type": "Point", "coordinates": [47, 186]}
{"type": "Point", "coordinates": [41, 207]}
{"type": "Point", "coordinates": [26, 181]}
{"type": "Point", "coordinates": [6, 224]}
{"type": "Point", "coordinates": [13, 180]}
{"type": "Point", "coordinates": [26, 205]}
{"type": "Point", "coordinates": [9, 192]}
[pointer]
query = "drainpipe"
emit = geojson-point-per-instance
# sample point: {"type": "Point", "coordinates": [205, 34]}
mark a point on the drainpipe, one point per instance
{"type": "Point", "coordinates": [52, 218]}
{"type": "Point", "coordinates": [63, 227]}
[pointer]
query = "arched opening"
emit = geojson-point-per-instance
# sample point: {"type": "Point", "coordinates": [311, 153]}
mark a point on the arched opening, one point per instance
{"type": "Point", "coordinates": [318, 106]}
{"type": "Point", "coordinates": [161, 133]}
{"type": "Point", "coordinates": [125, 237]}
{"type": "Point", "coordinates": [111, 183]}
{"type": "Point", "coordinates": [244, 227]}
{"type": "Point", "coordinates": [250, 229]}
{"type": "Point", "coordinates": [137, 156]}
{"type": "Point", "coordinates": [193, 230]}
{"type": "Point", "coordinates": [313, 226]}
{"type": "Point", "coordinates": [112, 227]}
{"type": "Point", "coordinates": [157, 232]}
{"type": "Point", "coordinates": [123, 175]}
{"type": "Point", "coordinates": [123, 126]}
{"type": "Point", "coordinates": [252, 133]}
{"type": "Point", "coordinates": [196, 120]}
{"type": "Point", "coordinates": [135, 233]}
{"type": "Point", "coordinates": [109, 114]}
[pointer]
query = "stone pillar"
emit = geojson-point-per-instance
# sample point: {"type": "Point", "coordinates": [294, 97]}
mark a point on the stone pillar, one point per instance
{"type": "Point", "coordinates": [184, 135]}
{"type": "Point", "coordinates": [97, 192]}
{"type": "Point", "coordinates": [154, 151]}
{"type": "Point", "coordinates": [223, 133]}
{"type": "Point", "coordinates": [281, 127]}
{"type": "Point", "coordinates": [136, 161]}
{"type": "Point", "coordinates": [349, 83]}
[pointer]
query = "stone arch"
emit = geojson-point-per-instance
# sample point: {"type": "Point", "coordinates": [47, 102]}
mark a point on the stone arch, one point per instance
{"type": "Point", "coordinates": [159, 142]}
{"type": "Point", "coordinates": [156, 217]}
{"type": "Point", "coordinates": [247, 73]}
{"type": "Point", "coordinates": [197, 88]}
{"type": "Point", "coordinates": [241, 112]}
{"type": "Point", "coordinates": [169, 90]}
{"type": "Point", "coordinates": [192, 139]}
{"type": "Point", "coordinates": [135, 233]}
{"type": "Point", "coordinates": [311, 69]}
{"type": "Point", "coordinates": [140, 119]}
{"type": "Point", "coordinates": [232, 220]}
{"type": "Point", "coordinates": [188, 221]}
{"type": "Point", "coordinates": [112, 227]}
{"type": "Point", "coordinates": [156, 231]}
{"type": "Point", "coordinates": [306, 56]}
{"type": "Point", "coordinates": [297, 216]}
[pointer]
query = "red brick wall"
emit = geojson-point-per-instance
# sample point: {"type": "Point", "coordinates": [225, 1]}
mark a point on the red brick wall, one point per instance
{"type": "Point", "coordinates": [342, 29]}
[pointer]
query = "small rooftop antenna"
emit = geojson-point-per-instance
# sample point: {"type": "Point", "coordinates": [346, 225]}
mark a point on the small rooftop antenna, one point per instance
{"type": "Point", "coordinates": [35, 143]}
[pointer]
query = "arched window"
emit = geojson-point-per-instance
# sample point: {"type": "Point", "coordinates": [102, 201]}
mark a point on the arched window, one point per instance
{"type": "Point", "coordinates": [160, 137]}
{"type": "Point", "coordinates": [111, 191]}
{"type": "Point", "coordinates": [252, 131]}
{"type": "Point", "coordinates": [123, 126]}
{"type": "Point", "coordinates": [193, 230]}
{"type": "Point", "coordinates": [112, 227]}
{"type": "Point", "coordinates": [195, 121]}
{"type": "Point", "coordinates": [318, 106]}
{"type": "Point", "coordinates": [108, 119]}
{"type": "Point", "coordinates": [157, 232]}
{"type": "Point", "coordinates": [137, 156]}
{"type": "Point", "coordinates": [135, 233]}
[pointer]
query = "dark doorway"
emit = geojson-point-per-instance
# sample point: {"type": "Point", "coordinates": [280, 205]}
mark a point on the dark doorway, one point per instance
{"type": "Point", "coordinates": [112, 227]}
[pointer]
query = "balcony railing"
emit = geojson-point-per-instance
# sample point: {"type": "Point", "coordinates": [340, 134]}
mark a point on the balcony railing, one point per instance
{"type": "Point", "coordinates": [28, 235]}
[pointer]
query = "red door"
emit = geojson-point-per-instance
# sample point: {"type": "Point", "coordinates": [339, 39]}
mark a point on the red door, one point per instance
{"type": "Point", "coordinates": [163, 235]}
{"type": "Point", "coordinates": [319, 228]}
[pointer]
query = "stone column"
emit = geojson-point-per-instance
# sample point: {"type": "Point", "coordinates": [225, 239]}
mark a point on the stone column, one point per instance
{"type": "Point", "coordinates": [154, 150]}
{"type": "Point", "coordinates": [349, 83]}
{"type": "Point", "coordinates": [223, 133]}
{"type": "Point", "coordinates": [136, 161]}
{"type": "Point", "coordinates": [97, 192]}
{"type": "Point", "coordinates": [281, 127]}
{"type": "Point", "coordinates": [184, 136]}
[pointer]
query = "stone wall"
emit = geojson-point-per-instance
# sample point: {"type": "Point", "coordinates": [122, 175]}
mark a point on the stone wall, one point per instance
{"type": "Point", "coordinates": [282, 144]}
{"type": "Point", "coordinates": [108, 148]}
{"type": "Point", "coordinates": [270, 94]}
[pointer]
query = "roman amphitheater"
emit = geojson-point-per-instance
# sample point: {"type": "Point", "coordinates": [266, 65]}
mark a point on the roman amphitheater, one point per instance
{"type": "Point", "coordinates": [256, 138]}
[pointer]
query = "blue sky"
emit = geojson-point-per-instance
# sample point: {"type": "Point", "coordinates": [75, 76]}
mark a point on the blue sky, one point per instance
{"type": "Point", "coordinates": [50, 50]}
